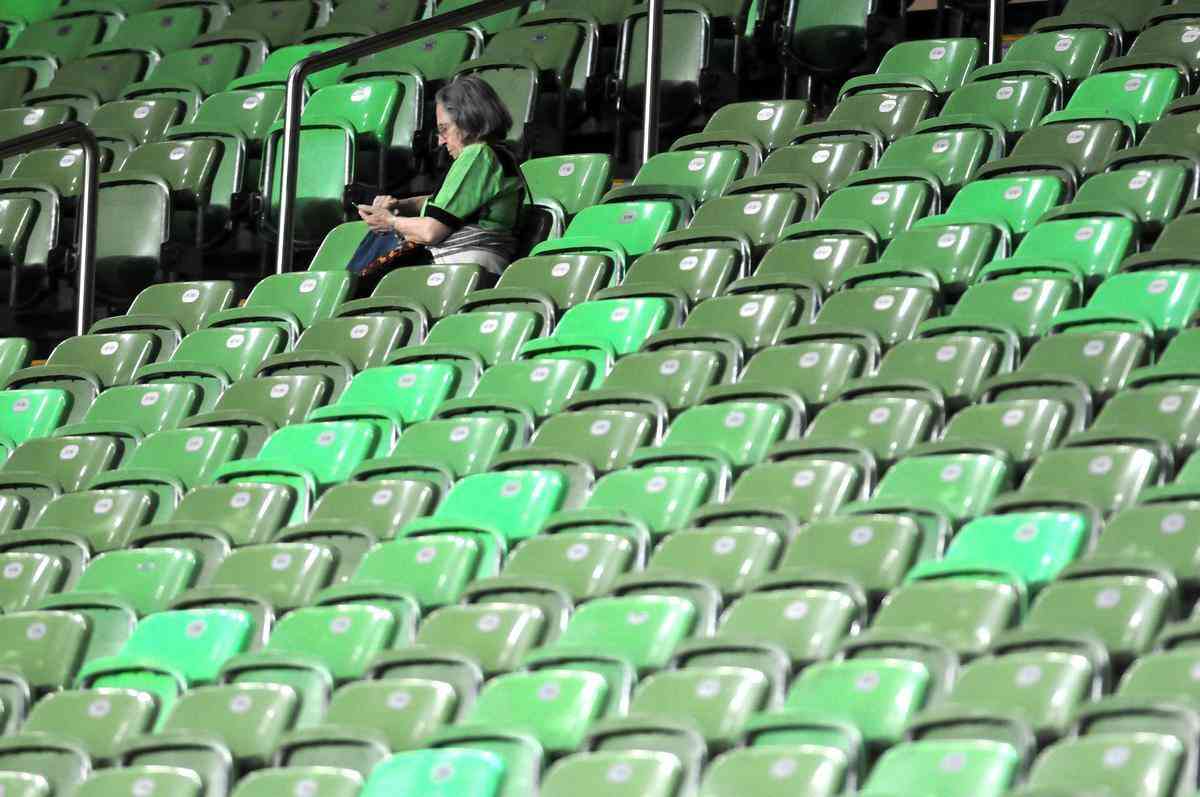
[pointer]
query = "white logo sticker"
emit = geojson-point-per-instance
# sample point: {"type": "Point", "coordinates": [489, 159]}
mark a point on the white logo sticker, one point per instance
{"type": "Point", "coordinates": [797, 610]}
{"type": "Point", "coordinates": [190, 296]}
{"type": "Point", "coordinates": [67, 161]}
{"type": "Point", "coordinates": [1014, 192]}
{"type": "Point", "coordinates": [325, 438]}
{"type": "Point", "coordinates": [141, 112]}
{"type": "Point", "coordinates": [509, 489]}
{"type": "Point", "coordinates": [99, 708]}
{"type": "Point", "coordinates": [240, 704]}
{"type": "Point", "coordinates": [749, 309]}
{"type": "Point", "coordinates": [69, 452]}
{"type": "Point", "coordinates": [688, 263]}
{"type": "Point", "coordinates": [656, 484]}
{"type": "Point", "coordinates": [281, 561]}
{"type": "Point", "coordinates": [764, 114]}
{"type": "Point", "coordinates": [1029, 675]}
{"type": "Point", "coordinates": [861, 535]}
{"type": "Point", "coordinates": [178, 153]}
{"type": "Point", "coordinates": [308, 286]}
{"type": "Point", "coordinates": [1026, 532]}
{"type": "Point", "coordinates": [1012, 417]}
{"type": "Point", "coordinates": [195, 628]}
{"type": "Point", "coordinates": [867, 682]}
{"type": "Point", "coordinates": [398, 701]}
{"type": "Point", "coordinates": [696, 164]}
{"type": "Point", "coordinates": [34, 116]}
{"type": "Point", "coordinates": [539, 374]}
{"type": "Point", "coordinates": [1100, 466]}
{"type": "Point", "coordinates": [359, 331]}
{"type": "Point", "coordinates": [619, 314]}
{"type": "Point", "coordinates": [435, 279]}
{"type": "Point", "coordinates": [621, 772]}
{"type": "Point", "coordinates": [884, 302]}
{"type": "Point", "coordinates": [783, 768]}
{"type": "Point", "coordinates": [822, 252]}
{"type": "Point", "coordinates": [406, 381]}
{"type": "Point", "coordinates": [426, 555]}
{"type": "Point", "coordinates": [636, 618]}
{"type": "Point", "coordinates": [1093, 348]}
{"type": "Point", "coordinates": [488, 623]}
{"type": "Point", "coordinates": [1063, 44]}
{"type": "Point", "coordinates": [708, 688]}
{"type": "Point", "coordinates": [1107, 598]}
{"type": "Point", "coordinates": [142, 787]}
{"type": "Point", "coordinates": [233, 341]}
{"type": "Point", "coordinates": [1022, 293]}
{"type": "Point", "coordinates": [193, 444]}
{"type": "Point", "coordinates": [600, 427]}
{"type": "Point", "coordinates": [809, 359]}
{"type": "Point", "coordinates": [361, 93]}
{"type": "Point", "coordinates": [109, 348]}
{"type": "Point", "coordinates": [459, 433]}
{"type": "Point", "coordinates": [952, 473]}
{"type": "Point", "coordinates": [669, 367]}
{"type": "Point", "coordinates": [340, 625]}
{"type": "Point", "coordinates": [1133, 84]}
{"type": "Point", "coordinates": [381, 497]}
{"type": "Point", "coordinates": [1004, 93]}
{"type": "Point", "coordinates": [1075, 136]}
{"type": "Point", "coordinates": [1139, 181]}
{"type": "Point", "coordinates": [35, 631]}
{"type": "Point", "coordinates": [1190, 35]}
{"type": "Point", "coordinates": [20, 405]}
{"type": "Point", "coordinates": [946, 353]}
{"type": "Point", "coordinates": [881, 198]}
{"type": "Point", "coordinates": [13, 570]}
{"type": "Point", "coordinates": [566, 170]}
{"type": "Point", "coordinates": [887, 106]}
{"type": "Point", "coordinates": [803, 478]}
{"type": "Point", "coordinates": [251, 102]}
{"type": "Point", "coordinates": [1116, 757]}
{"type": "Point", "coordinates": [1085, 234]}
{"type": "Point", "coordinates": [103, 506]}
{"type": "Point", "coordinates": [489, 326]}
{"type": "Point", "coordinates": [952, 762]}
{"type": "Point", "coordinates": [280, 390]}
{"type": "Point", "coordinates": [947, 240]}
{"type": "Point", "coordinates": [821, 156]}
{"type": "Point", "coordinates": [1170, 404]}
{"type": "Point", "coordinates": [578, 551]}
{"type": "Point", "coordinates": [879, 415]}
{"type": "Point", "coordinates": [937, 53]}
{"type": "Point", "coordinates": [306, 788]}
{"type": "Point", "coordinates": [752, 207]}
{"type": "Point", "coordinates": [1157, 286]}
{"type": "Point", "coordinates": [560, 269]}
{"type": "Point", "coordinates": [442, 772]}
{"type": "Point", "coordinates": [735, 419]}
{"type": "Point", "coordinates": [150, 399]}
{"type": "Point", "coordinates": [239, 500]}
{"type": "Point", "coordinates": [548, 692]}
{"type": "Point", "coordinates": [1172, 523]}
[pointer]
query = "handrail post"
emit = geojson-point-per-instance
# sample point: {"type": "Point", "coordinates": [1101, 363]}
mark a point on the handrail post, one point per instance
{"type": "Point", "coordinates": [650, 115]}
{"type": "Point", "coordinates": [73, 133]}
{"type": "Point", "coordinates": [995, 30]}
{"type": "Point", "coordinates": [294, 104]}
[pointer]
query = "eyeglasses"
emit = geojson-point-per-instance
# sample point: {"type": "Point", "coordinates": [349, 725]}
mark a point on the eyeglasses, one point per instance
{"type": "Point", "coordinates": [442, 130]}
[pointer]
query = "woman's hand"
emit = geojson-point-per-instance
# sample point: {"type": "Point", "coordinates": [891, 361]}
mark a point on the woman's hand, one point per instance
{"type": "Point", "coordinates": [379, 220]}
{"type": "Point", "coordinates": [385, 202]}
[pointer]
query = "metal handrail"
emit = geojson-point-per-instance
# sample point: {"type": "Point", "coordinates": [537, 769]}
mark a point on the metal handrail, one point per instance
{"type": "Point", "coordinates": [336, 57]}
{"type": "Point", "coordinates": [73, 133]}
{"type": "Point", "coordinates": [654, 25]}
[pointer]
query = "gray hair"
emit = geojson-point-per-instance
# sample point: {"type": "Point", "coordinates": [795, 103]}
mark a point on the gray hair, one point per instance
{"type": "Point", "coordinates": [475, 108]}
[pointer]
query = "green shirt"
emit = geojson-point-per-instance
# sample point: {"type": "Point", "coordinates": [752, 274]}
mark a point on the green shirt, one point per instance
{"type": "Point", "coordinates": [477, 190]}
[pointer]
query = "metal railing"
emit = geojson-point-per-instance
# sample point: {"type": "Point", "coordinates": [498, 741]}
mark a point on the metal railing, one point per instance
{"type": "Point", "coordinates": [73, 133]}
{"type": "Point", "coordinates": [995, 30]}
{"type": "Point", "coordinates": [294, 104]}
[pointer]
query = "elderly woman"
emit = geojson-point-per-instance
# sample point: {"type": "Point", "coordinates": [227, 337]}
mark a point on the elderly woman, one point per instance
{"type": "Point", "coordinates": [474, 214]}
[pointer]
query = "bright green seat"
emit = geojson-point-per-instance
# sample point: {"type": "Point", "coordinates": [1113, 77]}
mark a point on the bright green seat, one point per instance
{"type": "Point", "coordinates": [149, 579]}
{"type": "Point", "coordinates": [1016, 203]}
{"type": "Point", "coordinates": [975, 767]}
{"type": "Point", "coordinates": [410, 392]}
{"type": "Point", "coordinates": [960, 484]}
{"type": "Point", "coordinates": [531, 389]}
{"type": "Point", "coordinates": [1139, 94]}
{"type": "Point", "coordinates": [338, 348]}
{"type": "Point", "coordinates": [573, 181]}
{"type": "Point", "coordinates": [25, 414]}
{"type": "Point", "coordinates": [603, 330]}
{"type": "Point", "coordinates": [642, 628]}
{"type": "Point", "coordinates": [513, 504]}
{"type": "Point", "coordinates": [555, 706]}
{"type": "Point", "coordinates": [634, 227]}
{"type": "Point", "coordinates": [291, 302]}
{"type": "Point", "coordinates": [662, 496]}
{"type": "Point", "coordinates": [492, 336]}
{"type": "Point", "coordinates": [1037, 546]}
{"type": "Point", "coordinates": [404, 564]}
{"type": "Point", "coordinates": [279, 62]}
{"type": "Point", "coordinates": [878, 696]}
{"type": "Point", "coordinates": [748, 429]}
{"type": "Point", "coordinates": [1096, 245]}
{"type": "Point", "coordinates": [437, 773]}
{"type": "Point", "coordinates": [102, 719]}
{"type": "Point", "coordinates": [651, 773]}
{"type": "Point", "coordinates": [1165, 298]}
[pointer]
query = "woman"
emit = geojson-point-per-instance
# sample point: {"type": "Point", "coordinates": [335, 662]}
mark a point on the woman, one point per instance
{"type": "Point", "coordinates": [474, 214]}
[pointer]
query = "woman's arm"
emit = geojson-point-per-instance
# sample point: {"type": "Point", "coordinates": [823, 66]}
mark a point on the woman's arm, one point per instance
{"type": "Point", "coordinates": [418, 229]}
{"type": "Point", "coordinates": [410, 206]}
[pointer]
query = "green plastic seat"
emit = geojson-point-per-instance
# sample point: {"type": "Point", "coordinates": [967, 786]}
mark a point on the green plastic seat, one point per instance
{"type": "Point", "coordinates": [769, 122]}
{"type": "Point", "coordinates": [1154, 192]}
{"type": "Point", "coordinates": [555, 706]}
{"type": "Point", "coordinates": [891, 312]}
{"type": "Point", "coordinates": [46, 647]}
{"type": "Point", "coordinates": [753, 320]}
{"type": "Point", "coordinates": [696, 175]}
{"type": "Point", "coordinates": [719, 700]}
{"type": "Point", "coordinates": [1037, 546]}
{"type": "Point", "coordinates": [420, 293]}
{"type": "Point", "coordinates": [279, 22]}
{"type": "Point", "coordinates": [103, 719]}
{"type": "Point", "coordinates": [530, 388]}
{"type": "Point", "coordinates": [291, 302]}
{"type": "Point", "coordinates": [437, 773]}
{"type": "Point", "coordinates": [888, 424]}
{"type": "Point", "coordinates": [1108, 477]}
{"type": "Point", "coordinates": [42, 469]}
{"type": "Point", "coordinates": [338, 348]}
{"type": "Point", "coordinates": [729, 558]}
{"type": "Point", "coordinates": [436, 57]}
{"type": "Point", "coordinates": [1017, 202]}
{"type": "Point", "coordinates": [961, 485]}
{"type": "Point", "coordinates": [172, 310]}
{"type": "Point", "coordinates": [741, 430]}
{"type": "Point", "coordinates": [573, 181]}
{"type": "Point", "coordinates": [1139, 764]}
{"type": "Point", "coordinates": [27, 414]}
{"type": "Point", "coordinates": [1124, 605]}
{"type": "Point", "coordinates": [164, 780]}
{"type": "Point", "coordinates": [103, 518]}
{"type": "Point", "coordinates": [260, 406]}
{"type": "Point", "coordinates": [406, 711]}
{"type": "Point", "coordinates": [410, 393]}
{"type": "Point", "coordinates": [27, 577]}
{"type": "Point", "coordinates": [635, 227]}
{"type": "Point", "coordinates": [1141, 94]}
{"type": "Point", "coordinates": [956, 363]}
{"type": "Point", "coordinates": [662, 496]}
{"type": "Point", "coordinates": [458, 447]}
{"type": "Point", "coordinates": [676, 377]}
{"type": "Point", "coordinates": [954, 252]}
{"type": "Point", "coordinates": [513, 504]}
{"type": "Point", "coordinates": [878, 696]}
{"type": "Point", "coordinates": [1152, 530]}
{"type": "Point", "coordinates": [642, 628]}
{"type": "Point", "coordinates": [149, 579]}
{"type": "Point", "coordinates": [585, 564]}
{"type": "Point", "coordinates": [652, 773]}
{"type": "Point", "coordinates": [327, 782]}
{"type": "Point", "coordinates": [1015, 104]}
{"type": "Point", "coordinates": [248, 718]}
{"type": "Point", "coordinates": [603, 330]}
{"type": "Point", "coordinates": [216, 358]}
{"type": "Point", "coordinates": [57, 762]}
{"type": "Point", "coordinates": [405, 563]}
{"type": "Point", "coordinates": [696, 273]}
{"type": "Point", "coordinates": [799, 768]}
{"type": "Point", "coordinates": [802, 489]}
{"type": "Point", "coordinates": [932, 65]}
{"type": "Point", "coordinates": [130, 412]}
{"type": "Point", "coordinates": [985, 768]}
{"type": "Point", "coordinates": [285, 575]}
